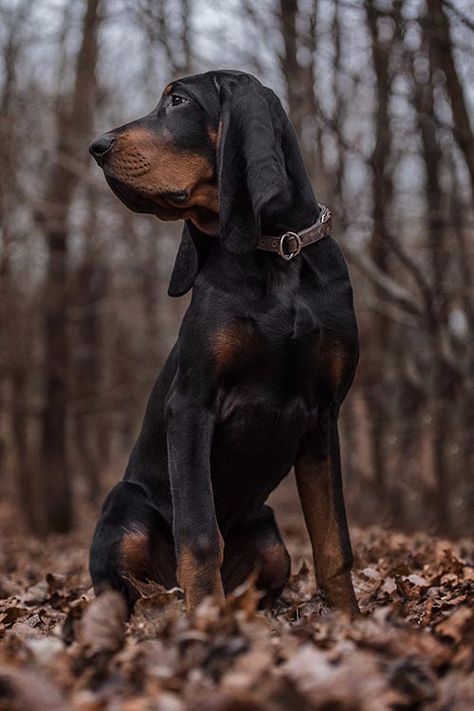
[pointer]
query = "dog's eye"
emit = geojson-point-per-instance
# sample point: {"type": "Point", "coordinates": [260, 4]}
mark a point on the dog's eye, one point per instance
{"type": "Point", "coordinates": [176, 100]}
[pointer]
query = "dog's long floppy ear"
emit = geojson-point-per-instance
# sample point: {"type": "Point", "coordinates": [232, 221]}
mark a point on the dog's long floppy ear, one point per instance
{"type": "Point", "coordinates": [250, 162]}
{"type": "Point", "coordinates": [191, 254]}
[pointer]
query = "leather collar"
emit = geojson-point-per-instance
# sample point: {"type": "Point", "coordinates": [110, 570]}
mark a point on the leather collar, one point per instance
{"type": "Point", "coordinates": [290, 244]}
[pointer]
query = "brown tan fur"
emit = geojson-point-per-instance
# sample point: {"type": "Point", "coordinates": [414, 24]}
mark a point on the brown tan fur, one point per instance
{"type": "Point", "coordinates": [332, 574]}
{"type": "Point", "coordinates": [151, 165]}
{"type": "Point", "coordinates": [140, 154]}
{"type": "Point", "coordinates": [213, 134]}
{"type": "Point", "coordinates": [333, 358]}
{"type": "Point", "coordinates": [199, 578]}
{"type": "Point", "coordinates": [235, 346]}
{"type": "Point", "coordinates": [135, 553]}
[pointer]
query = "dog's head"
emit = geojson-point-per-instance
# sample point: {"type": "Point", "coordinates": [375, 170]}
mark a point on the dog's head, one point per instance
{"type": "Point", "coordinates": [219, 152]}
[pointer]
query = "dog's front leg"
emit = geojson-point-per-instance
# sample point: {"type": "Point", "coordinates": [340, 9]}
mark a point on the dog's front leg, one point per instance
{"type": "Point", "coordinates": [318, 477]}
{"type": "Point", "coordinates": [198, 542]}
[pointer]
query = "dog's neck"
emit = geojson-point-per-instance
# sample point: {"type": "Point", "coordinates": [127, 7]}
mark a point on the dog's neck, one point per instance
{"type": "Point", "coordinates": [277, 219]}
{"type": "Point", "coordinates": [260, 272]}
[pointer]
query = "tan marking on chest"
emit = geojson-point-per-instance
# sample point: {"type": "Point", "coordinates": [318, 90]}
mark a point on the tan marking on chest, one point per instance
{"type": "Point", "coordinates": [212, 133]}
{"type": "Point", "coordinates": [333, 360]}
{"type": "Point", "coordinates": [235, 345]}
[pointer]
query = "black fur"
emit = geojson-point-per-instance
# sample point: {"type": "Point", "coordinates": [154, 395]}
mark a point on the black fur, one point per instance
{"type": "Point", "coordinates": [220, 432]}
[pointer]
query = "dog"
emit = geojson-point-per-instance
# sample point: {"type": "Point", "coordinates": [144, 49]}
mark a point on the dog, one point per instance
{"type": "Point", "coordinates": [265, 355]}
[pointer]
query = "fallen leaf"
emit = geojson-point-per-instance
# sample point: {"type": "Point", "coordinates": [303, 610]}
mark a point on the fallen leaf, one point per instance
{"type": "Point", "coordinates": [102, 628]}
{"type": "Point", "coordinates": [455, 624]}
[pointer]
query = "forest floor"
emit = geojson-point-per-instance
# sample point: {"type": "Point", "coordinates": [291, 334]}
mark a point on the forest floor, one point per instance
{"type": "Point", "coordinates": [412, 648]}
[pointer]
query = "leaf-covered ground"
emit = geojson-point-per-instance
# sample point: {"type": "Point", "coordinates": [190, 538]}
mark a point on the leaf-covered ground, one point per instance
{"type": "Point", "coordinates": [412, 648]}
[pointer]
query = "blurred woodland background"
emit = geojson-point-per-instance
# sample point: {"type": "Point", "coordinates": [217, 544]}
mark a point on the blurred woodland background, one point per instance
{"type": "Point", "coordinates": [381, 94]}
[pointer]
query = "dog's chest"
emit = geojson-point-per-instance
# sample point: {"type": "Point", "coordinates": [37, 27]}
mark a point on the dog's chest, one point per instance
{"type": "Point", "coordinates": [262, 418]}
{"type": "Point", "coordinates": [266, 370]}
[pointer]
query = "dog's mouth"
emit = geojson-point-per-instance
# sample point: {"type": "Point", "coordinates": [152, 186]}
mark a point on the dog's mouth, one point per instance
{"type": "Point", "coordinates": [167, 206]}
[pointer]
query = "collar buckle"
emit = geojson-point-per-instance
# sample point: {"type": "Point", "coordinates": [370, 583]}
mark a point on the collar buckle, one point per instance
{"type": "Point", "coordinates": [287, 255]}
{"type": "Point", "coordinates": [291, 243]}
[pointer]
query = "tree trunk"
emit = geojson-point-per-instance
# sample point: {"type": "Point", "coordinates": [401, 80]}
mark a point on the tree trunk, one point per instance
{"type": "Point", "coordinates": [299, 79]}
{"type": "Point", "coordinates": [381, 197]}
{"type": "Point", "coordinates": [437, 28]}
{"type": "Point", "coordinates": [90, 290]}
{"type": "Point", "coordinates": [432, 157]}
{"type": "Point", "coordinates": [73, 126]}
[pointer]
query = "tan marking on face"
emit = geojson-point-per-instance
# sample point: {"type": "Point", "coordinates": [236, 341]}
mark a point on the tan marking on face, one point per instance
{"type": "Point", "coordinates": [235, 344]}
{"type": "Point", "coordinates": [152, 165]}
{"type": "Point", "coordinates": [168, 89]}
{"type": "Point", "coordinates": [135, 554]}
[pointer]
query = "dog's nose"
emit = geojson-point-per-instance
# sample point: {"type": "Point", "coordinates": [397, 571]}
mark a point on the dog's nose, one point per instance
{"type": "Point", "coordinates": [101, 145]}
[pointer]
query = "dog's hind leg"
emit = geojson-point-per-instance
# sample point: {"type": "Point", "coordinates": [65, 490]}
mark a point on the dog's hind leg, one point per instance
{"type": "Point", "coordinates": [257, 548]}
{"type": "Point", "coordinates": [131, 542]}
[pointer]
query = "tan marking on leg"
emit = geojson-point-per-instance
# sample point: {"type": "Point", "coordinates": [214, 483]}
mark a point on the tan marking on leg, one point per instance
{"type": "Point", "coordinates": [333, 359]}
{"type": "Point", "coordinates": [332, 568]}
{"type": "Point", "coordinates": [338, 364]}
{"type": "Point", "coordinates": [135, 553]}
{"type": "Point", "coordinates": [199, 578]}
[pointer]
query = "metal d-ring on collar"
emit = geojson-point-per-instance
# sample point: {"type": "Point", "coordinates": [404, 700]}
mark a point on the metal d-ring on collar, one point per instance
{"type": "Point", "coordinates": [281, 247]}
{"type": "Point", "coordinates": [290, 244]}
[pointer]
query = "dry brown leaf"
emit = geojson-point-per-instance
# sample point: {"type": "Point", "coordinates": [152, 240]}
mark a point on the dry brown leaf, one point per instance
{"type": "Point", "coordinates": [102, 628]}
{"type": "Point", "coordinates": [418, 580]}
{"type": "Point", "coordinates": [455, 625]}
{"type": "Point", "coordinates": [10, 614]}
{"type": "Point", "coordinates": [245, 598]}
{"type": "Point", "coordinates": [411, 649]}
{"type": "Point", "coordinates": [353, 682]}
{"type": "Point", "coordinates": [25, 690]}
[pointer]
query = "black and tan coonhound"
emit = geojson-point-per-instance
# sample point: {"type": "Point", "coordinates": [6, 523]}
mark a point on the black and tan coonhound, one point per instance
{"type": "Point", "coordinates": [265, 355]}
